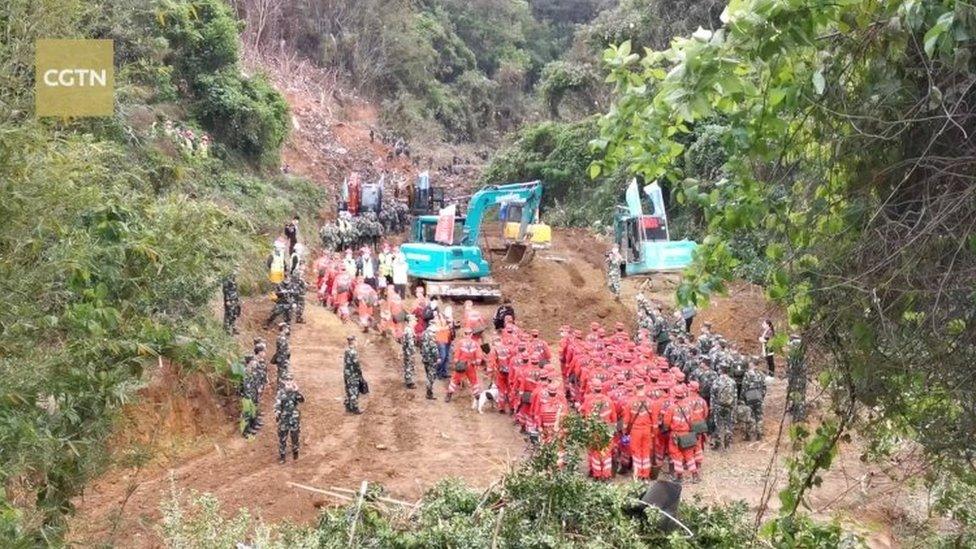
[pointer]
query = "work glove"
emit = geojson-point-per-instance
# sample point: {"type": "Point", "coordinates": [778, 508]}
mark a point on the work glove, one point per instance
{"type": "Point", "coordinates": [625, 440]}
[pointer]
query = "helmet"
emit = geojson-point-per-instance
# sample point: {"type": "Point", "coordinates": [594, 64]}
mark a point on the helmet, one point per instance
{"type": "Point", "coordinates": [694, 386]}
{"type": "Point", "coordinates": [680, 390]}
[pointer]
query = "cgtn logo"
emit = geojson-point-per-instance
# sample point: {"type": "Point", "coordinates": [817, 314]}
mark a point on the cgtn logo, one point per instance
{"type": "Point", "coordinates": [74, 78]}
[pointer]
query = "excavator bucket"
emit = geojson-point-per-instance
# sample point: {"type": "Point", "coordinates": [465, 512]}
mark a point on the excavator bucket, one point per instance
{"type": "Point", "coordinates": [519, 253]}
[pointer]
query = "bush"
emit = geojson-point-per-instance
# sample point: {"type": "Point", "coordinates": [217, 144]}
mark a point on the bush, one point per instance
{"type": "Point", "coordinates": [202, 36]}
{"type": "Point", "coordinates": [562, 78]}
{"type": "Point", "coordinates": [558, 154]}
{"type": "Point", "coordinates": [246, 114]}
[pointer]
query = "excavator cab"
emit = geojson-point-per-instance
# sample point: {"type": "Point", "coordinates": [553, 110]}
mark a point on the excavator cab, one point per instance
{"type": "Point", "coordinates": [459, 269]}
{"type": "Point", "coordinates": [644, 240]}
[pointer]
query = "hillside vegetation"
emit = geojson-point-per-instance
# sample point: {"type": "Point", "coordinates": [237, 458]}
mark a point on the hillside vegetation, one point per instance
{"type": "Point", "coordinates": [116, 232]}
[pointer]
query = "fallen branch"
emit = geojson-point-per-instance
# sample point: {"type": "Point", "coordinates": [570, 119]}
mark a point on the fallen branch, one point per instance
{"type": "Point", "coordinates": [321, 491]}
{"type": "Point", "coordinates": [355, 517]}
{"type": "Point", "coordinates": [380, 498]}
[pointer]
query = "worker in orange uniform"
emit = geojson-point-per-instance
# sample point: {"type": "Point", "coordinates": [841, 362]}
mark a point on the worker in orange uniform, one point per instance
{"type": "Point", "coordinates": [539, 346]}
{"type": "Point", "coordinates": [597, 404]}
{"type": "Point", "coordinates": [682, 441]}
{"type": "Point", "coordinates": [639, 430]}
{"type": "Point", "coordinates": [472, 319]}
{"type": "Point", "coordinates": [467, 359]}
{"type": "Point", "coordinates": [366, 300]}
{"type": "Point", "coordinates": [548, 412]}
{"type": "Point", "coordinates": [342, 294]}
{"type": "Point", "coordinates": [499, 364]}
{"type": "Point", "coordinates": [397, 313]}
{"type": "Point", "coordinates": [661, 401]}
{"type": "Point", "coordinates": [699, 422]}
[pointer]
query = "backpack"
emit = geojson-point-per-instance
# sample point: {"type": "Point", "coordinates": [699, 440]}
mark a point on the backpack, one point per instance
{"type": "Point", "coordinates": [726, 398]}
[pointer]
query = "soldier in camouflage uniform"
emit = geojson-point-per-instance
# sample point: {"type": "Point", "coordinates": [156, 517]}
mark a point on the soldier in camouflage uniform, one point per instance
{"type": "Point", "coordinates": [644, 320]}
{"type": "Point", "coordinates": [614, 261]}
{"type": "Point", "coordinates": [352, 375]}
{"type": "Point", "coordinates": [259, 345]}
{"type": "Point", "coordinates": [796, 385]}
{"type": "Point", "coordinates": [738, 364]}
{"type": "Point", "coordinates": [261, 370]}
{"type": "Point", "coordinates": [705, 339]}
{"type": "Point", "coordinates": [299, 289]}
{"type": "Point", "coordinates": [284, 373]}
{"type": "Point", "coordinates": [753, 394]}
{"type": "Point", "coordinates": [284, 302]}
{"type": "Point", "coordinates": [743, 416]}
{"type": "Point", "coordinates": [249, 397]}
{"type": "Point", "coordinates": [659, 331]}
{"type": "Point", "coordinates": [430, 357]}
{"type": "Point", "coordinates": [706, 379]}
{"type": "Point", "coordinates": [722, 400]}
{"type": "Point", "coordinates": [288, 418]}
{"type": "Point", "coordinates": [282, 347]}
{"type": "Point", "coordinates": [408, 347]}
{"type": "Point", "coordinates": [232, 304]}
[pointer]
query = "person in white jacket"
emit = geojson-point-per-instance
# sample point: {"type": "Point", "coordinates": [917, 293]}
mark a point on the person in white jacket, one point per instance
{"type": "Point", "coordinates": [400, 274]}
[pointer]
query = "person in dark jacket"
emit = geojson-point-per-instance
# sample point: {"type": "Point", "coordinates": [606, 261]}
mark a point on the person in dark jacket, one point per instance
{"type": "Point", "coordinates": [291, 233]}
{"type": "Point", "coordinates": [505, 309]}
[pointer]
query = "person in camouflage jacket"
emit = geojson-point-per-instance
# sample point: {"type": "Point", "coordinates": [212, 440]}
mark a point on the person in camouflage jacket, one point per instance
{"type": "Point", "coordinates": [284, 302]}
{"type": "Point", "coordinates": [430, 356]}
{"type": "Point", "coordinates": [722, 400]}
{"type": "Point", "coordinates": [614, 261]}
{"type": "Point", "coordinates": [299, 289]}
{"type": "Point", "coordinates": [288, 418]}
{"type": "Point", "coordinates": [408, 349]}
{"type": "Point", "coordinates": [261, 372]}
{"type": "Point", "coordinates": [282, 348]}
{"type": "Point", "coordinates": [232, 304]}
{"type": "Point", "coordinates": [352, 375]}
{"type": "Point", "coordinates": [753, 394]}
{"type": "Point", "coordinates": [249, 392]}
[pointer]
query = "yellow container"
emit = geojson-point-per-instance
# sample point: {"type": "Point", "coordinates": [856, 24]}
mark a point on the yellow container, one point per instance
{"type": "Point", "coordinates": [541, 233]}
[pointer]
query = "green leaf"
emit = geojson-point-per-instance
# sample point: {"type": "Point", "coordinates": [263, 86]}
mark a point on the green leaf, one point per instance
{"type": "Point", "coordinates": [932, 36]}
{"type": "Point", "coordinates": [595, 170]}
{"type": "Point", "coordinates": [819, 83]}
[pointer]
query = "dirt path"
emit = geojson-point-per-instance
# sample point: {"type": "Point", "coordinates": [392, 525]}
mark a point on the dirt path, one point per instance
{"type": "Point", "coordinates": [403, 441]}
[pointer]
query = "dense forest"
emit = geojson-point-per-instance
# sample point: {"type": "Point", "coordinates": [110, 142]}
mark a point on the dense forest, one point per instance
{"type": "Point", "coordinates": [819, 148]}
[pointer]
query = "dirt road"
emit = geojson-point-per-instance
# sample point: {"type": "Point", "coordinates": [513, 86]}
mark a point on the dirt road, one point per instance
{"type": "Point", "coordinates": [403, 441]}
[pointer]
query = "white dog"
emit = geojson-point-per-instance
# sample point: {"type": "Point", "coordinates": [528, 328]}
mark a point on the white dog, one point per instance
{"type": "Point", "coordinates": [490, 395]}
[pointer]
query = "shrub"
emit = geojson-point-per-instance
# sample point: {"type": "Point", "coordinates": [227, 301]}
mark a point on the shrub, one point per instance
{"type": "Point", "coordinates": [246, 114]}
{"type": "Point", "coordinates": [558, 154]}
{"type": "Point", "coordinates": [202, 36]}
